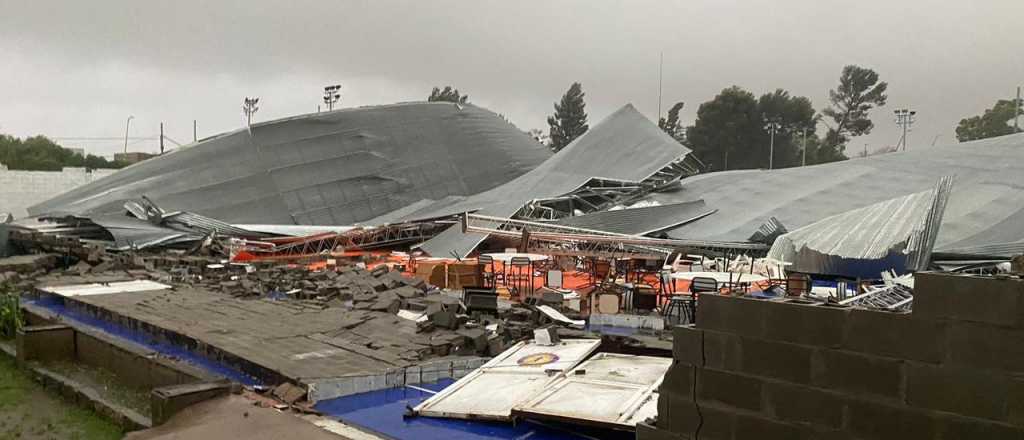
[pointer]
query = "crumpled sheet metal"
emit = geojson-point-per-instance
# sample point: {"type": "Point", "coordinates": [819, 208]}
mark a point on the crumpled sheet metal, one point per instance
{"type": "Point", "coordinates": [625, 147]}
{"type": "Point", "coordinates": [985, 214]}
{"type": "Point", "coordinates": [896, 234]}
{"type": "Point", "coordinates": [332, 168]}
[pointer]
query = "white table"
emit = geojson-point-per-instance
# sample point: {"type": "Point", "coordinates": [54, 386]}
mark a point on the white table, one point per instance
{"type": "Point", "coordinates": [506, 257]}
{"type": "Point", "coordinates": [721, 277]}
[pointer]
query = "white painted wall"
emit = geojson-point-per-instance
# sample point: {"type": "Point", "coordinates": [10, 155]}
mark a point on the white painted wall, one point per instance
{"type": "Point", "coordinates": [21, 189]}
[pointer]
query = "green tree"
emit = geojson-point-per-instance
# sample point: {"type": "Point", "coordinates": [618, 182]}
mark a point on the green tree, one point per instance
{"type": "Point", "coordinates": [449, 94]}
{"type": "Point", "coordinates": [38, 153]}
{"type": "Point", "coordinates": [994, 122]}
{"type": "Point", "coordinates": [731, 131]}
{"type": "Point", "coordinates": [671, 124]}
{"type": "Point", "coordinates": [726, 130]}
{"type": "Point", "coordinates": [570, 118]}
{"type": "Point", "coordinates": [859, 91]}
{"type": "Point", "coordinates": [796, 118]}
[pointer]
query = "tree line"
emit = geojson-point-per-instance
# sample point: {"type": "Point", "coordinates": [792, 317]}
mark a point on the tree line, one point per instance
{"type": "Point", "coordinates": [733, 130]}
{"type": "Point", "coordinates": [38, 153]}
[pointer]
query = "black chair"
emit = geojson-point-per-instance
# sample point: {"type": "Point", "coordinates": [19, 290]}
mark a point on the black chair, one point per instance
{"type": "Point", "coordinates": [703, 284]}
{"type": "Point", "coordinates": [521, 275]}
{"type": "Point", "coordinates": [489, 279]}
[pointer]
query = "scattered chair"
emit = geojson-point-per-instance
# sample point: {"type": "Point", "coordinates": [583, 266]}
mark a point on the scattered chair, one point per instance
{"type": "Point", "coordinates": [520, 276]}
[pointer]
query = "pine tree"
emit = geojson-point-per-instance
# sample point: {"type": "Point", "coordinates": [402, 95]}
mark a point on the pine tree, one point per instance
{"type": "Point", "coordinates": [671, 124]}
{"type": "Point", "coordinates": [570, 118]}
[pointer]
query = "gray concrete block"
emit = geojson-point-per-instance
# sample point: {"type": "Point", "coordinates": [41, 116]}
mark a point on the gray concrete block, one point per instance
{"type": "Point", "coordinates": [678, 380]}
{"type": "Point", "coordinates": [958, 390]}
{"type": "Point", "coordinates": [871, 420]}
{"type": "Point", "coordinates": [731, 314]}
{"type": "Point", "coordinates": [806, 324]}
{"type": "Point", "coordinates": [954, 427]}
{"type": "Point", "coordinates": [794, 403]}
{"type": "Point", "coordinates": [729, 389]}
{"type": "Point", "coordinates": [972, 298]}
{"type": "Point", "coordinates": [986, 346]}
{"type": "Point", "coordinates": [45, 343]}
{"type": "Point", "coordinates": [777, 360]}
{"type": "Point", "coordinates": [645, 431]}
{"type": "Point", "coordinates": [721, 351]}
{"type": "Point", "coordinates": [859, 373]}
{"type": "Point", "coordinates": [895, 335]}
{"type": "Point", "coordinates": [761, 428]}
{"type": "Point", "coordinates": [687, 345]}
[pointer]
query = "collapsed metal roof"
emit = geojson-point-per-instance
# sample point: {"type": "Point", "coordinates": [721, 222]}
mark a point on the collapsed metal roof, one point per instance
{"type": "Point", "coordinates": [640, 221]}
{"type": "Point", "coordinates": [331, 168]}
{"type": "Point", "coordinates": [985, 214]}
{"type": "Point", "coordinates": [896, 234]}
{"type": "Point", "coordinates": [624, 147]}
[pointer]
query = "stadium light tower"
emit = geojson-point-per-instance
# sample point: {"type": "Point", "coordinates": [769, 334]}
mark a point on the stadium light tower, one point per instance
{"type": "Point", "coordinates": [250, 106]}
{"type": "Point", "coordinates": [127, 124]}
{"type": "Point", "coordinates": [332, 94]}
{"type": "Point", "coordinates": [772, 125]}
{"type": "Point", "coordinates": [904, 118]}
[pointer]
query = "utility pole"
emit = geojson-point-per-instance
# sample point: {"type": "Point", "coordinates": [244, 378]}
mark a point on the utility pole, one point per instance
{"type": "Point", "coordinates": [661, 69]}
{"type": "Point", "coordinates": [1017, 110]}
{"type": "Point", "coordinates": [773, 125]}
{"type": "Point", "coordinates": [332, 96]}
{"type": "Point", "coordinates": [803, 162]}
{"type": "Point", "coordinates": [195, 132]}
{"type": "Point", "coordinates": [161, 138]}
{"type": "Point", "coordinates": [904, 118]}
{"type": "Point", "coordinates": [250, 107]}
{"type": "Point", "coordinates": [126, 125]}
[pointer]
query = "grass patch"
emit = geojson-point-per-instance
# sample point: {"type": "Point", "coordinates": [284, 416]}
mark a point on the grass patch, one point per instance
{"type": "Point", "coordinates": [29, 412]}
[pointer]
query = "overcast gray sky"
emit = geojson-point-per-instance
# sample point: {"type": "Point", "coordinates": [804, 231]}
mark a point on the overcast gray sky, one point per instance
{"type": "Point", "coordinates": [79, 68]}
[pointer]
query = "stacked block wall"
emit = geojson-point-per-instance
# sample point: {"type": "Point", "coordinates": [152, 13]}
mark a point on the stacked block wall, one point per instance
{"type": "Point", "coordinates": [754, 369]}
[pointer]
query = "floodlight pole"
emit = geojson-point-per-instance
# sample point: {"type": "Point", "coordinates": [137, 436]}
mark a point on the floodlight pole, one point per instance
{"type": "Point", "coordinates": [331, 96]}
{"type": "Point", "coordinates": [1017, 108]}
{"type": "Point", "coordinates": [904, 118]}
{"type": "Point", "coordinates": [127, 124]}
{"type": "Point", "coordinates": [773, 125]}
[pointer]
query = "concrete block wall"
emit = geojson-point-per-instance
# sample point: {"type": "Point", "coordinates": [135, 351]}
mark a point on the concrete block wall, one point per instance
{"type": "Point", "coordinates": [21, 189]}
{"type": "Point", "coordinates": [755, 369]}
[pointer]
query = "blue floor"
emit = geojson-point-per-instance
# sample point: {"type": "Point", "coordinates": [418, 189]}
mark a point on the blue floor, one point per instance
{"type": "Point", "coordinates": [56, 305]}
{"type": "Point", "coordinates": [382, 412]}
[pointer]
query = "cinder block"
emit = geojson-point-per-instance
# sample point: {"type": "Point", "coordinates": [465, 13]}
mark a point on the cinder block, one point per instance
{"type": "Point", "coordinates": [986, 346]}
{"type": "Point", "coordinates": [805, 324]}
{"type": "Point", "coordinates": [730, 389]}
{"type": "Point", "coordinates": [760, 428]}
{"type": "Point", "coordinates": [778, 360]}
{"type": "Point", "coordinates": [954, 427]}
{"type": "Point", "coordinates": [45, 343]}
{"type": "Point", "coordinates": [859, 373]}
{"type": "Point", "coordinates": [687, 345]}
{"type": "Point", "coordinates": [958, 390]}
{"type": "Point", "coordinates": [721, 350]}
{"type": "Point", "coordinates": [895, 335]}
{"type": "Point", "coordinates": [649, 432]}
{"type": "Point", "coordinates": [731, 314]}
{"type": "Point", "coordinates": [972, 298]}
{"type": "Point", "coordinates": [677, 414]}
{"type": "Point", "coordinates": [872, 420]}
{"type": "Point", "coordinates": [1015, 402]}
{"type": "Point", "coordinates": [794, 403]}
{"type": "Point", "coordinates": [678, 380]}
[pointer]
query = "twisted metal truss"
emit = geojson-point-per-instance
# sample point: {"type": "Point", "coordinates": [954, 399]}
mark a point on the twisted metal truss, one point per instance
{"type": "Point", "coordinates": [552, 239]}
{"type": "Point", "coordinates": [896, 298]}
{"type": "Point", "coordinates": [328, 243]}
{"type": "Point", "coordinates": [601, 194]}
